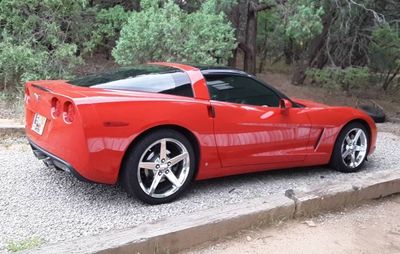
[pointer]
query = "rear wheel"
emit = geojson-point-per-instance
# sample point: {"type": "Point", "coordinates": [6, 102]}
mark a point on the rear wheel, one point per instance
{"type": "Point", "coordinates": [159, 167]}
{"type": "Point", "coordinates": [351, 147]}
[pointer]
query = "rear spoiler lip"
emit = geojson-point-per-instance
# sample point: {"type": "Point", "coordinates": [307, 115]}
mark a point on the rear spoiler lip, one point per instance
{"type": "Point", "coordinates": [41, 88]}
{"type": "Point", "coordinates": [56, 88]}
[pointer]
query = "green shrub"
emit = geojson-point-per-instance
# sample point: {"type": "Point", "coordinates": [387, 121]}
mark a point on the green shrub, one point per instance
{"type": "Point", "coordinates": [106, 28]}
{"type": "Point", "coordinates": [20, 62]}
{"type": "Point", "coordinates": [39, 39]}
{"type": "Point", "coordinates": [25, 244]}
{"type": "Point", "coordinates": [170, 34]}
{"type": "Point", "coordinates": [306, 22]}
{"type": "Point", "coordinates": [337, 78]}
{"type": "Point", "coordinates": [384, 52]}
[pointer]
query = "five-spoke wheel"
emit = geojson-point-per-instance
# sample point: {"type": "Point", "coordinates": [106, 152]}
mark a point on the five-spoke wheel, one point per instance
{"type": "Point", "coordinates": [159, 167]}
{"type": "Point", "coordinates": [351, 148]}
{"type": "Point", "coordinates": [163, 168]}
{"type": "Point", "coordinates": [354, 148]}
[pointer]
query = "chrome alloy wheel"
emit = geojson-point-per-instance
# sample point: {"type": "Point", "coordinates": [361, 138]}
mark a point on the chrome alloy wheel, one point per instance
{"type": "Point", "coordinates": [163, 168]}
{"type": "Point", "coordinates": [354, 148]}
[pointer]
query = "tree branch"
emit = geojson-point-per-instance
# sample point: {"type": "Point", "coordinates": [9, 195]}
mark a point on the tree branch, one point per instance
{"type": "Point", "coordinates": [261, 7]}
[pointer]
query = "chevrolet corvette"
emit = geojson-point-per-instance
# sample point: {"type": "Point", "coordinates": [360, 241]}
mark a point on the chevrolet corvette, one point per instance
{"type": "Point", "coordinates": [156, 128]}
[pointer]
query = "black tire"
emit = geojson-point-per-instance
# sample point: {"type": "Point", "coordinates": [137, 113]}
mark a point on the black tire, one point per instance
{"type": "Point", "coordinates": [337, 162]}
{"type": "Point", "coordinates": [129, 174]}
{"type": "Point", "coordinates": [374, 112]}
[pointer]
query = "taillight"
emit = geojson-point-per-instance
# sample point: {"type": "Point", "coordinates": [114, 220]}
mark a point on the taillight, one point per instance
{"type": "Point", "coordinates": [55, 107]}
{"type": "Point", "coordinates": [27, 93]}
{"type": "Point", "coordinates": [69, 112]}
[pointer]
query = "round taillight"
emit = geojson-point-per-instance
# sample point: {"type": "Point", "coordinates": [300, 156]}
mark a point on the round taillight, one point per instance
{"type": "Point", "coordinates": [27, 94]}
{"type": "Point", "coordinates": [55, 107]}
{"type": "Point", "coordinates": [69, 112]}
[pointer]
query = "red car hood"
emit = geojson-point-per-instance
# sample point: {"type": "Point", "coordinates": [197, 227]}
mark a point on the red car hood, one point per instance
{"type": "Point", "coordinates": [310, 104]}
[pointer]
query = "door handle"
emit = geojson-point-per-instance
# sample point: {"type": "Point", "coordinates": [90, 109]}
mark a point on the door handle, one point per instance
{"type": "Point", "coordinates": [211, 111]}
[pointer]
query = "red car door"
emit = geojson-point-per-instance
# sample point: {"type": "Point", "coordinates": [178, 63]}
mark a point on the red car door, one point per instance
{"type": "Point", "coordinates": [249, 126]}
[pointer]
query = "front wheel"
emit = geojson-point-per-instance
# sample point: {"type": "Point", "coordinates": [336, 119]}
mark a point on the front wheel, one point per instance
{"type": "Point", "coordinates": [159, 167]}
{"type": "Point", "coordinates": [351, 148]}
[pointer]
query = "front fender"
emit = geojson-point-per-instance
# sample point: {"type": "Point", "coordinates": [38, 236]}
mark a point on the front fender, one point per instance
{"type": "Point", "coordinates": [327, 122]}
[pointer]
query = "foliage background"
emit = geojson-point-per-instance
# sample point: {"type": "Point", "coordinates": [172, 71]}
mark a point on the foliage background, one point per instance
{"type": "Point", "coordinates": [339, 44]}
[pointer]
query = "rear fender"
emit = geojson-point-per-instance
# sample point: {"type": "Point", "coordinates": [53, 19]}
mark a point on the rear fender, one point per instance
{"type": "Point", "coordinates": [115, 131]}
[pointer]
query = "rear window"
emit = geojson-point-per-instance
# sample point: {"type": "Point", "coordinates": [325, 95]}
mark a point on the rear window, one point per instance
{"type": "Point", "coordinates": [146, 78]}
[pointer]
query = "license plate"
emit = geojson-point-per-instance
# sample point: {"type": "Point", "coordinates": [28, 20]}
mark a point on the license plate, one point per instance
{"type": "Point", "coordinates": [38, 123]}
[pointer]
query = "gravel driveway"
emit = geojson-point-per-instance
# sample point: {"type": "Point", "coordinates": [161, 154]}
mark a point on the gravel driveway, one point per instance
{"type": "Point", "coordinates": [50, 205]}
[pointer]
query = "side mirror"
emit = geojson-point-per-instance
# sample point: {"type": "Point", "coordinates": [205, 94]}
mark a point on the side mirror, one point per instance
{"type": "Point", "coordinates": [285, 105]}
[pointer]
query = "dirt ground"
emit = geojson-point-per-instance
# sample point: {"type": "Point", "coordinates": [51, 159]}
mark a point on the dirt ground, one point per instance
{"type": "Point", "coordinates": [371, 228]}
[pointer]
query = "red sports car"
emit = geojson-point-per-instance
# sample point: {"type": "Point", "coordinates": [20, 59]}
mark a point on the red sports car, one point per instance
{"type": "Point", "coordinates": [157, 127]}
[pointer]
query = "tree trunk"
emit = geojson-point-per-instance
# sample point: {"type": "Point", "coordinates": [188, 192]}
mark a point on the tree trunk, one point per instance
{"type": "Point", "coordinates": [251, 42]}
{"type": "Point", "coordinates": [299, 74]}
{"type": "Point", "coordinates": [262, 61]}
{"type": "Point", "coordinates": [288, 52]}
{"type": "Point", "coordinates": [240, 19]}
{"type": "Point", "coordinates": [389, 78]}
{"type": "Point", "coordinates": [244, 18]}
{"type": "Point", "coordinates": [318, 46]}
{"type": "Point", "coordinates": [315, 56]}
{"type": "Point", "coordinates": [233, 60]}
{"type": "Point", "coordinates": [234, 16]}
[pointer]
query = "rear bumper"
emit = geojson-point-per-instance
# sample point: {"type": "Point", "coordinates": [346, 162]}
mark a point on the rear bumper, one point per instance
{"type": "Point", "coordinates": [53, 161]}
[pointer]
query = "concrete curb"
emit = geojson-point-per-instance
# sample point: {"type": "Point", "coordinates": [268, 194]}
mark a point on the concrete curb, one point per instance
{"type": "Point", "coordinates": [336, 196]}
{"type": "Point", "coordinates": [175, 234]}
{"type": "Point", "coordinates": [12, 130]}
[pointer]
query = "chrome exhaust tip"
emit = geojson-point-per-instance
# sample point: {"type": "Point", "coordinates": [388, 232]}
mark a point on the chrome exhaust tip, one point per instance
{"type": "Point", "coordinates": [38, 154]}
{"type": "Point", "coordinates": [49, 163]}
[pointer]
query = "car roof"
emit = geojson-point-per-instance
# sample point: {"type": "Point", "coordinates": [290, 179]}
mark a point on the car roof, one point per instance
{"type": "Point", "coordinates": [209, 69]}
{"type": "Point", "coordinates": [205, 69]}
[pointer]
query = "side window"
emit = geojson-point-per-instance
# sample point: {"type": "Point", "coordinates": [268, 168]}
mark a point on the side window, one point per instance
{"type": "Point", "coordinates": [182, 90]}
{"type": "Point", "coordinates": [242, 90]}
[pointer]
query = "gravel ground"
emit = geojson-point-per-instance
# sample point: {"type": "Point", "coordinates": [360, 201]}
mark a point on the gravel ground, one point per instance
{"type": "Point", "coordinates": [38, 203]}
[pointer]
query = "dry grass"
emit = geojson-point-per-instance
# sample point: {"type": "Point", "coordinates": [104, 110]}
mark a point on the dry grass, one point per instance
{"type": "Point", "coordinates": [25, 244]}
